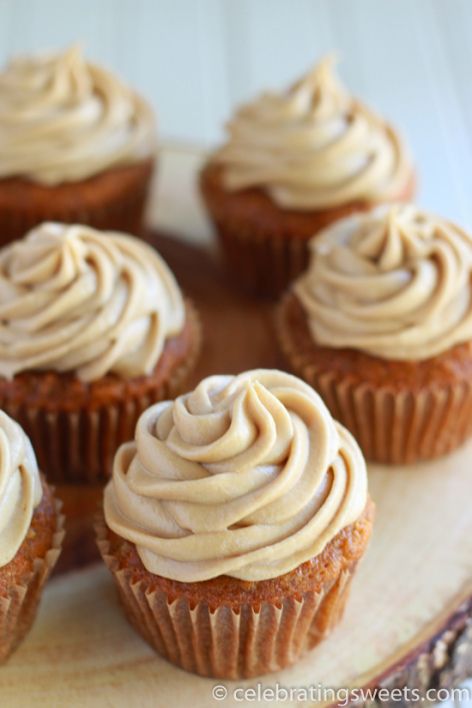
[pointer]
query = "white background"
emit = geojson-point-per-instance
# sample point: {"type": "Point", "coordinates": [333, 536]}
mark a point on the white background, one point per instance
{"type": "Point", "coordinates": [196, 59]}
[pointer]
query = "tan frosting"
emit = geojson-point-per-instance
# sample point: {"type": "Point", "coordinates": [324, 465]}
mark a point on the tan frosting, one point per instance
{"type": "Point", "coordinates": [247, 476]}
{"type": "Point", "coordinates": [76, 299]}
{"type": "Point", "coordinates": [314, 147]}
{"type": "Point", "coordinates": [395, 282]}
{"type": "Point", "coordinates": [20, 487]}
{"type": "Point", "coordinates": [63, 119]}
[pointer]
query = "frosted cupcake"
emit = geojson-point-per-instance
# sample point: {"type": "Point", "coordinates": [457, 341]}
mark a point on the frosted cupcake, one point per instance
{"type": "Point", "coordinates": [294, 163]}
{"type": "Point", "coordinates": [233, 524]}
{"type": "Point", "coordinates": [76, 145]}
{"type": "Point", "coordinates": [381, 325]}
{"type": "Point", "coordinates": [30, 535]}
{"type": "Point", "coordinates": [93, 329]}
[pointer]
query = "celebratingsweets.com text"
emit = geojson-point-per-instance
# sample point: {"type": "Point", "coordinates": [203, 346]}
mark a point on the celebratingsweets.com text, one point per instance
{"type": "Point", "coordinates": [338, 696]}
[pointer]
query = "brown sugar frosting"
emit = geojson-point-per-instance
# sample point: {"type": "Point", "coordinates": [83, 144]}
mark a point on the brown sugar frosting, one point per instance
{"type": "Point", "coordinates": [73, 299]}
{"type": "Point", "coordinates": [63, 119]}
{"type": "Point", "coordinates": [395, 282]}
{"type": "Point", "coordinates": [20, 487]}
{"type": "Point", "coordinates": [313, 147]}
{"type": "Point", "coordinates": [246, 476]}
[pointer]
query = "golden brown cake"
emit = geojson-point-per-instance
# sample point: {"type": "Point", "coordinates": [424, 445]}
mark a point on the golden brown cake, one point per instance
{"type": "Point", "coordinates": [77, 146]}
{"type": "Point", "coordinates": [30, 535]}
{"type": "Point", "coordinates": [381, 326]}
{"type": "Point", "coordinates": [93, 330]}
{"type": "Point", "coordinates": [233, 524]}
{"type": "Point", "coordinates": [294, 163]}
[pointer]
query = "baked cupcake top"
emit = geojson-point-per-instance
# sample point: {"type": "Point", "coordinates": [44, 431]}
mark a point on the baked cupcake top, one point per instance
{"type": "Point", "coordinates": [314, 147]}
{"type": "Point", "coordinates": [246, 476]}
{"type": "Point", "coordinates": [63, 119]}
{"type": "Point", "coordinates": [73, 299]}
{"type": "Point", "coordinates": [395, 283]}
{"type": "Point", "coordinates": [20, 487]}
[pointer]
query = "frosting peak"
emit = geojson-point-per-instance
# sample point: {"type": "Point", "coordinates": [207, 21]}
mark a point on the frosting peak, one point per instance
{"type": "Point", "coordinates": [395, 282]}
{"type": "Point", "coordinates": [20, 487]}
{"type": "Point", "coordinates": [314, 146]}
{"type": "Point", "coordinates": [247, 476]}
{"type": "Point", "coordinates": [63, 119]}
{"type": "Point", "coordinates": [76, 299]}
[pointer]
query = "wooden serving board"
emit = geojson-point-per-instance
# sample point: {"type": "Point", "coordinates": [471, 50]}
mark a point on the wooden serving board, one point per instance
{"type": "Point", "coordinates": [408, 619]}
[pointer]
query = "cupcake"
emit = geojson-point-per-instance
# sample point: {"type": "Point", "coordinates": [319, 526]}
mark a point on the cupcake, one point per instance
{"type": "Point", "coordinates": [233, 524]}
{"type": "Point", "coordinates": [294, 163]}
{"type": "Point", "coordinates": [93, 329]}
{"type": "Point", "coordinates": [381, 326]}
{"type": "Point", "coordinates": [31, 531]}
{"type": "Point", "coordinates": [76, 146]}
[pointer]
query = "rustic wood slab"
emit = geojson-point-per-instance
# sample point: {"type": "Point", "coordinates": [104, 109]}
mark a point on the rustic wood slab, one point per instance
{"type": "Point", "coordinates": [408, 619]}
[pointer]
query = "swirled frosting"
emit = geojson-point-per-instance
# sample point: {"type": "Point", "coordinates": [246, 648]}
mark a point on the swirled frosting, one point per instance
{"type": "Point", "coordinates": [395, 282]}
{"type": "Point", "coordinates": [314, 147]}
{"type": "Point", "coordinates": [247, 476]}
{"type": "Point", "coordinates": [63, 119]}
{"type": "Point", "coordinates": [20, 487]}
{"type": "Point", "coordinates": [80, 300]}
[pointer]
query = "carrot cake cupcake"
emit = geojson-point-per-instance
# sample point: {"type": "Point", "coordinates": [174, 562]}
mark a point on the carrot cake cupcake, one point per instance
{"type": "Point", "coordinates": [30, 535]}
{"type": "Point", "coordinates": [294, 163]}
{"type": "Point", "coordinates": [381, 325]}
{"type": "Point", "coordinates": [233, 524]}
{"type": "Point", "coordinates": [76, 145]}
{"type": "Point", "coordinates": [93, 329]}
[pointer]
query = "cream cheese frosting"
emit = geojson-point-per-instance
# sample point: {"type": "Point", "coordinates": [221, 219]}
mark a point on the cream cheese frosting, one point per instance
{"type": "Point", "coordinates": [63, 119]}
{"type": "Point", "coordinates": [314, 147]}
{"type": "Point", "coordinates": [73, 299]}
{"type": "Point", "coordinates": [395, 283]}
{"type": "Point", "coordinates": [20, 487]}
{"type": "Point", "coordinates": [246, 476]}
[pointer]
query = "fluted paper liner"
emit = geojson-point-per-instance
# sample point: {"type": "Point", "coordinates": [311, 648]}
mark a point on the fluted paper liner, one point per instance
{"type": "Point", "coordinates": [123, 212]}
{"type": "Point", "coordinates": [227, 643]}
{"type": "Point", "coordinates": [18, 609]}
{"type": "Point", "coordinates": [79, 446]}
{"type": "Point", "coordinates": [264, 262]}
{"type": "Point", "coordinates": [392, 426]}
{"type": "Point", "coordinates": [266, 252]}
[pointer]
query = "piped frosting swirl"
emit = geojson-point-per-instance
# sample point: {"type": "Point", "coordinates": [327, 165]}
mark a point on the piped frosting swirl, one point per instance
{"type": "Point", "coordinates": [247, 476]}
{"type": "Point", "coordinates": [63, 119]}
{"type": "Point", "coordinates": [395, 282]}
{"type": "Point", "coordinates": [73, 299]}
{"type": "Point", "coordinates": [20, 487]}
{"type": "Point", "coordinates": [314, 147]}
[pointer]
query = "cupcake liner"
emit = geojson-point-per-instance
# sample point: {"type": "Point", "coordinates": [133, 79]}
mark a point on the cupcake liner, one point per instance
{"type": "Point", "coordinates": [121, 210]}
{"type": "Point", "coordinates": [263, 262]}
{"type": "Point", "coordinates": [399, 427]}
{"type": "Point", "coordinates": [18, 608]}
{"type": "Point", "coordinates": [225, 642]}
{"type": "Point", "coordinates": [392, 425]}
{"type": "Point", "coordinates": [79, 445]}
{"type": "Point", "coordinates": [121, 215]}
{"type": "Point", "coordinates": [265, 247]}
